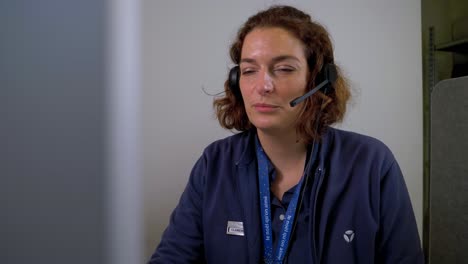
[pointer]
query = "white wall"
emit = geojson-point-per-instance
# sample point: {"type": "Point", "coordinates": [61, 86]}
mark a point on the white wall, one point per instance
{"type": "Point", "coordinates": [185, 49]}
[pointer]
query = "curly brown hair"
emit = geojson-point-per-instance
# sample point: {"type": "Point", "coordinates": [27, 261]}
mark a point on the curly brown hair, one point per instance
{"type": "Point", "coordinates": [230, 110]}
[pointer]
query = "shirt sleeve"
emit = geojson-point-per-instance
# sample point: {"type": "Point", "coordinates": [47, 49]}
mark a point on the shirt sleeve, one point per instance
{"type": "Point", "coordinates": [398, 239]}
{"type": "Point", "coordinates": [182, 241]}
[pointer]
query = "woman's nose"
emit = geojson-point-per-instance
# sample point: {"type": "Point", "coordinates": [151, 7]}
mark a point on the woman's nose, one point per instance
{"type": "Point", "coordinates": [264, 83]}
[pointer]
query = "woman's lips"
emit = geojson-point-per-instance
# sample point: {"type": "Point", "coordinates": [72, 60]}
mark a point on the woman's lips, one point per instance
{"type": "Point", "coordinates": [265, 108]}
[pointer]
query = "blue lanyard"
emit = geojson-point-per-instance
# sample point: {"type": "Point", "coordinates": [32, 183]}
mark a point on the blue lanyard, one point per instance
{"type": "Point", "coordinates": [265, 211]}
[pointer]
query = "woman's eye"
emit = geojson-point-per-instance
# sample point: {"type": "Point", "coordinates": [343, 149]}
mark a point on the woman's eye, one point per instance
{"type": "Point", "coordinates": [284, 69]}
{"type": "Point", "coordinates": [247, 71]}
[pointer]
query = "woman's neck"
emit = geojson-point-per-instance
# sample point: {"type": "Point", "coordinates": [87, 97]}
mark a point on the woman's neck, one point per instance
{"type": "Point", "coordinates": [288, 155]}
{"type": "Point", "coordinates": [282, 147]}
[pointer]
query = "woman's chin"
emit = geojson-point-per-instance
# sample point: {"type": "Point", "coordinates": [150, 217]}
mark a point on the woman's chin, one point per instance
{"type": "Point", "coordinates": [269, 128]}
{"type": "Point", "coordinates": [265, 125]}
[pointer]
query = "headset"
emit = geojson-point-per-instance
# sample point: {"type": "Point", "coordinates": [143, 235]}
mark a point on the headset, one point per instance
{"type": "Point", "coordinates": [327, 77]}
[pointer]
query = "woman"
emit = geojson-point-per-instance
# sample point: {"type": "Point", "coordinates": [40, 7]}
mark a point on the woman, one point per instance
{"type": "Point", "coordinates": [289, 188]}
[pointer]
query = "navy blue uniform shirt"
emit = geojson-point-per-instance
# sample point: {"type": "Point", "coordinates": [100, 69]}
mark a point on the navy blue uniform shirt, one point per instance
{"type": "Point", "coordinates": [299, 241]}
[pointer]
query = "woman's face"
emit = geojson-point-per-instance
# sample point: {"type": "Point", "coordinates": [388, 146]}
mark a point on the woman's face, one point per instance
{"type": "Point", "coordinates": [274, 71]}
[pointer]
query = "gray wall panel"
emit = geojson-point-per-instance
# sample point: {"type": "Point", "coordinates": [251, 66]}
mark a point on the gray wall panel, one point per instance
{"type": "Point", "coordinates": [448, 218]}
{"type": "Point", "coordinates": [52, 131]}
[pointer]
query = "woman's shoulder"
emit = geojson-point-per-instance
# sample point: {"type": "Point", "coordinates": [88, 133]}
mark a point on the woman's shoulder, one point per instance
{"type": "Point", "coordinates": [229, 141]}
{"type": "Point", "coordinates": [232, 146]}
{"type": "Point", "coordinates": [340, 135]}
{"type": "Point", "coordinates": [352, 144]}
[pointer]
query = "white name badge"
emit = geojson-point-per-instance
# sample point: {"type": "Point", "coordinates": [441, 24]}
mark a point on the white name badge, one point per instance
{"type": "Point", "coordinates": [235, 228]}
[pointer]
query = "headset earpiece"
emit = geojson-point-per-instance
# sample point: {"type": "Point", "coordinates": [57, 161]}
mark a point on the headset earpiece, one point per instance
{"type": "Point", "coordinates": [330, 74]}
{"type": "Point", "coordinates": [234, 76]}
